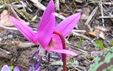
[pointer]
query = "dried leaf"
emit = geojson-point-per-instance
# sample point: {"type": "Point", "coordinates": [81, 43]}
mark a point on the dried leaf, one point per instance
{"type": "Point", "coordinates": [101, 28]}
{"type": "Point", "coordinates": [92, 34]}
{"type": "Point", "coordinates": [63, 14]}
{"type": "Point", "coordinates": [102, 35]}
{"type": "Point", "coordinates": [5, 21]}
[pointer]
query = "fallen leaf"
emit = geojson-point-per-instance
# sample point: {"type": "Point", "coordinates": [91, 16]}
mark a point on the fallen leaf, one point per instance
{"type": "Point", "coordinates": [92, 34]}
{"type": "Point", "coordinates": [102, 35]}
{"type": "Point", "coordinates": [101, 28]}
{"type": "Point", "coordinates": [63, 14]}
{"type": "Point", "coordinates": [5, 21]}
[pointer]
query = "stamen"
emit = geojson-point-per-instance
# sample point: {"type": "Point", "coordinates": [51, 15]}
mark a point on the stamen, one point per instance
{"type": "Point", "coordinates": [48, 57]}
{"type": "Point", "coordinates": [33, 56]}
{"type": "Point", "coordinates": [46, 52]}
{"type": "Point", "coordinates": [35, 62]}
{"type": "Point", "coordinates": [36, 67]}
{"type": "Point", "coordinates": [37, 46]}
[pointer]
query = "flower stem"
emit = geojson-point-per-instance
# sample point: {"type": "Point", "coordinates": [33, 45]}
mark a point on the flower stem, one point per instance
{"type": "Point", "coordinates": [64, 47]}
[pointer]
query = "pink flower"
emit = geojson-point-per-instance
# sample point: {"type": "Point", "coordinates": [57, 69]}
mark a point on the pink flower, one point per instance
{"type": "Point", "coordinates": [64, 27]}
{"type": "Point", "coordinates": [44, 36]}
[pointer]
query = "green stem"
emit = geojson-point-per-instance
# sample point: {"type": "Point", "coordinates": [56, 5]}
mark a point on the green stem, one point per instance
{"type": "Point", "coordinates": [64, 47]}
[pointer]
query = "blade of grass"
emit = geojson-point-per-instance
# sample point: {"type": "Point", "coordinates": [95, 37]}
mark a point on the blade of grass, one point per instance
{"type": "Point", "coordinates": [69, 36]}
{"type": "Point", "coordinates": [79, 42]}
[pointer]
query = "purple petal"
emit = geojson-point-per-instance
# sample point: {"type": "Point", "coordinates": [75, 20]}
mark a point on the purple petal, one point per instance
{"type": "Point", "coordinates": [24, 29]}
{"type": "Point", "coordinates": [16, 68]}
{"type": "Point", "coordinates": [31, 68]}
{"type": "Point", "coordinates": [49, 10]}
{"type": "Point", "coordinates": [66, 26]}
{"type": "Point", "coordinates": [45, 32]}
{"type": "Point", "coordinates": [5, 68]}
{"type": "Point", "coordinates": [34, 69]}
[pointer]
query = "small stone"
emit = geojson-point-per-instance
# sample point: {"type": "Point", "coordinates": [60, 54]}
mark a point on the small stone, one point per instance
{"type": "Point", "coordinates": [10, 36]}
{"type": "Point", "coordinates": [1, 39]}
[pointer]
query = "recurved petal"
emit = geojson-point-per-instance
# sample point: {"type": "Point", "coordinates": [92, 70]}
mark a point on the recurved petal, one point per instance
{"type": "Point", "coordinates": [64, 51]}
{"type": "Point", "coordinates": [54, 44]}
{"type": "Point", "coordinates": [66, 26]}
{"type": "Point", "coordinates": [16, 68]}
{"type": "Point", "coordinates": [5, 68]}
{"type": "Point", "coordinates": [45, 32]}
{"type": "Point", "coordinates": [24, 29]}
{"type": "Point", "coordinates": [48, 11]}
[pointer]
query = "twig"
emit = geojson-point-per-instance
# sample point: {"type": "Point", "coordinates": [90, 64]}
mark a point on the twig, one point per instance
{"type": "Point", "coordinates": [92, 14]}
{"type": "Point", "coordinates": [101, 8]}
{"type": "Point", "coordinates": [12, 11]}
{"type": "Point", "coordinates": [106, 16]}
{"type": "Point", "coordinates": [62, 1]}
{"type": "Point", "coordinates": [80, 31]}
{"type": "Point", "coordinates": [5, 54]}
{"type": "Point", "coordinates": [57, 5]}
{"type": "Point", "coordinates": [5, 51]}
{"type": "Point", "coordinates": [108, 3]}
{"type": "Point", "coordinates": [81, 35]}
{"type": "Point", "coordinates": [75, 47]}
{"type": "Point", "coordinates": [89, 27]}
{"type": "Point", "coordinates": [9, 28]}
{"type": "Point", "coordinates": [23, 4]}
{"type": "Point", "coordinates": [21, 66]}
{"type": "Point", "coordinates": [42, 7]}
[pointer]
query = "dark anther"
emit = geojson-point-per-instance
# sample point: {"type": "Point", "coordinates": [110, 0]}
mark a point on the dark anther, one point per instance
{"type": "Point", "coordinates": [38, 63]}
{"type": "Point", "coordinates": [33, 56]}
{"type": "Point", "coordinates": [48, 57]}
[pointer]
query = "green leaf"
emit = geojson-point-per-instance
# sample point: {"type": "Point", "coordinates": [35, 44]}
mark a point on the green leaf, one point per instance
{"type": "Point", "coordinates": [69, 63]}
{"type": "Point", "coordinates": [98, 44]}
{"type": "Point", "coordinates": [61, 63]}
{"type": "Point", "coordinates": [73, 63]}
{"type": "Point", "coordinates": [11, 67]}
{"type": "Point", "coordinates": [111, 42]}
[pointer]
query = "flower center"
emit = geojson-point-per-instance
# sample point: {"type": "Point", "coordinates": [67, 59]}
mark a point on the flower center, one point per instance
{"type": "Point", "coordinates": [41, 51]}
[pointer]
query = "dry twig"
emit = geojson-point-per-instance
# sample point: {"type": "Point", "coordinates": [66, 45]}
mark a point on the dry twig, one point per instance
{"type": "Point", "coordinates": [57, 5]}
{"type": "Point", "coordinates": [42, 7]}
{"type": "Point", "coordinates": [91, 15]}
{"type": "Point", "coordinates": [106, 16]}
{"type": "Point", "coordinates": [80, 35]}
{"type": "Point", "coordinates": [108, 3]}
{"type": "Point", "coordinates": [101, 8]}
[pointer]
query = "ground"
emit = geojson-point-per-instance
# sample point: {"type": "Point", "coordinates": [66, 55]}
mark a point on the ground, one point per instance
{"type": "Point", "coordinates": [20, 55]}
